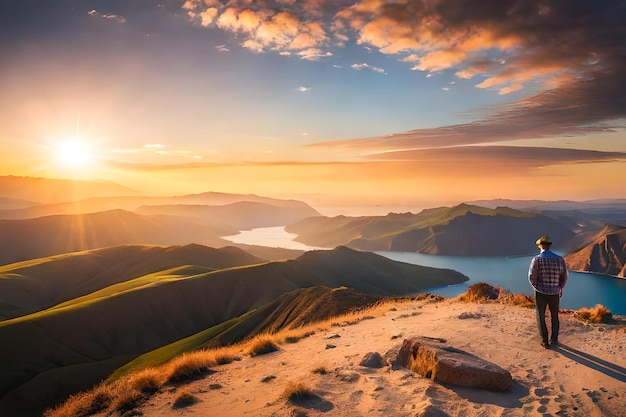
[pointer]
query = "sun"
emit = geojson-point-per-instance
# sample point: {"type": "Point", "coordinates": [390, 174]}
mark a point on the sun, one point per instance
{"type": "Point", "coordinates": [74, 153]}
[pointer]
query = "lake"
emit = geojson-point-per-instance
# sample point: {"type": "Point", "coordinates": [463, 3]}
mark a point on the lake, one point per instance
{"type": "Point", "coordinates": [510, 273]}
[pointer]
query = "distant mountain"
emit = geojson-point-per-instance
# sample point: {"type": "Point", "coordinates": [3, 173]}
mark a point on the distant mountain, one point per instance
{"type": "Point", "coordinates": [12, 204]}
{"type": "Point", "coordinates": [590, 216]}
{"type": "Point", "coordinates": [158, 225]}
{"type": "Point", "coordinates": [559, 205]}
{"type": "Point", "coordinates": [605, 254]}
{"type": "Point", "coordinates": [241, 215]}
{"type": "Point", "coordinates": [52, 235]}
{"type": "Point", "coordinates": [75, 344]}
{"type": "Point", "coordinates": [133, 203]}
{"type": "Point", "coordinates": [463, 230]}
{"type": "Point", "coordinates": [48, 191]}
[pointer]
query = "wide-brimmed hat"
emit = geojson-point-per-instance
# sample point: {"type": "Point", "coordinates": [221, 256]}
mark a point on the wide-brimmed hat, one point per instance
{"type": "Point", "coordinates": [544, 239]}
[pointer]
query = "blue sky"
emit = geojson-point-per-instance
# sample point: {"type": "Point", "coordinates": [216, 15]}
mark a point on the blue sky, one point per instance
{"type": "Point", "coordinates": [193, 89]}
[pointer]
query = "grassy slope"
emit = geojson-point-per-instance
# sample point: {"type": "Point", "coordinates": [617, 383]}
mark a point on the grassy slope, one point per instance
{"type": "Point", "coordinates": [30, 286]}
{"type": "Point", "coordinates": [163, 308]}
{"type": "Point", "coordinates": [291, 310]}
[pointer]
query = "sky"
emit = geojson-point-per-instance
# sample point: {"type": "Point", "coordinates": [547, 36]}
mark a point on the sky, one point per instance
{"type": "Point", "coordinates": [351, 106]}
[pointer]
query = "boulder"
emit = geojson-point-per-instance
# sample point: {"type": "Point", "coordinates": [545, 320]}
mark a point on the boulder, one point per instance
{"type": "Point", "coordinates": [373, 360]}
{"type": "Point", "coordinates": [431, 358]}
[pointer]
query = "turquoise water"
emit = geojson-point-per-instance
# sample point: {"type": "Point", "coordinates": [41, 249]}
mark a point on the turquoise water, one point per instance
{"type": "Point", "coordinates": [582, 289]}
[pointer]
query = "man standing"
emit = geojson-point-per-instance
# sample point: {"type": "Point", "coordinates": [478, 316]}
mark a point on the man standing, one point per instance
{"type": "Point", "coordinates": [547, 275]}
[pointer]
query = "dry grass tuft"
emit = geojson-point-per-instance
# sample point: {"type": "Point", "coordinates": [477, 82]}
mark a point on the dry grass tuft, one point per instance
{"type": "Point", "coordinates": [126, 396]}
{"type": "Point", "coordinates": [297, 391]}
{"type": "Point", "coordinates": [83, 404]}
{"type": "Point", "coordinates": [521, 300]}
{"type": "Point", "coordinates": [188, 366]}
{"type": "Point", "coordinates": [482, 292]}
{"type": "Point", "coordinates": [598, 314]}
{"type": "Point", "coordinates": [147, 381]}
{"type": "Point", "coordinates": [184, 399]}
{"type": "Point", "coordinates": [262, 345]}
{"type": "Point", "coordinates": [479, 292]}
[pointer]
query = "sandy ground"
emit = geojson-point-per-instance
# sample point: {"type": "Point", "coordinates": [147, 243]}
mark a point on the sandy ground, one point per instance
{"type": "Point", "coordinates": [585, 377]}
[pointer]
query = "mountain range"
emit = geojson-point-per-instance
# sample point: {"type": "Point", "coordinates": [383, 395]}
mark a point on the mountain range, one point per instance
{"type": "Point", "coordinates": [97, 280]}
{"type": "Point", "coordinates": [44, 230]}
{"type": "Point", "coordinates": [463, 230]}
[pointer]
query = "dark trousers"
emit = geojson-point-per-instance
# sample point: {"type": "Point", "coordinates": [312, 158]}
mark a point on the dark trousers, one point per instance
{"type": "Point", "coordinates": [552, 302]}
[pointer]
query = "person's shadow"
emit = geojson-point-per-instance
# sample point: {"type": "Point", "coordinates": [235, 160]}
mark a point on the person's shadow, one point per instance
{"type": "Point", "coordinates": [593, 362]}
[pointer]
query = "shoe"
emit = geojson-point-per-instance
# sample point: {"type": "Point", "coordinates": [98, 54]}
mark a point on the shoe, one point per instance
{"type": "Point", "coordinates": [554, 342]}
{"type": "Point", "coordinates": [545, 345]}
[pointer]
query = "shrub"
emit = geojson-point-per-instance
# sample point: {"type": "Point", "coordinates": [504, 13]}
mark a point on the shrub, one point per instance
{"type": "Point", "coordinates": [184, 399]}
{"type": "Point", "coordinates": [598, 314]}
{"type": "Point", "coordinates": [479, 292]}
{"type": "Point", "coordinates": [297, 391]}
{"type": "Point", "coordinates": [262, 346]}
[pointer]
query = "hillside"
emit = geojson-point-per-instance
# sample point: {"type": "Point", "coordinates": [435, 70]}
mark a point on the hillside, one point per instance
{"type": "Point", "coordinates": [463, 230]}
{"type": "Point", "coordinates": [584, 377]}
{"type": "Point", "coordinates": [52, 235]}
{"type": "Point", "coordinates": [30, 286]}
{"type": "Point", "coordinates": [604, 254]}
{"type": "Point", "coordinates": [73, 345]}
{"type": "Point", "coordinates": [291, 310]}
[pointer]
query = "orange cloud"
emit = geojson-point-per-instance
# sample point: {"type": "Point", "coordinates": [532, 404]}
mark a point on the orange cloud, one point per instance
{"type": "Point", "coordinates": [571, 53]}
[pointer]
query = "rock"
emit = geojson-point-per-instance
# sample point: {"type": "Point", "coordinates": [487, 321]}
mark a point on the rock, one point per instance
{"type": "Point", "coordinates": [373, 360]}
{"type": "Point", "coordinates": [429, 410]}
{"type": "Point", "coordinates": [439, 362]}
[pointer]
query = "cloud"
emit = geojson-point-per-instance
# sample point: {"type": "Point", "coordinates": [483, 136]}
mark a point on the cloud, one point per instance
{"type": "Point", "coordinates": [567, 57]}
{"type": "Point", "coordinates": [116, 17]}
{"type": "Point", "coordinates": [303, 89]}
{"type": "Point", "coordinates": [489, 156]}
{"type": "Point", "coordinates": [282, 26]}
{"type": "Point", "coordinates": [359, 67]}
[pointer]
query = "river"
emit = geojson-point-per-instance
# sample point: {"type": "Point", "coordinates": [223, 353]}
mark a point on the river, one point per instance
{"type": "Point", "coordinates": [510, 273]}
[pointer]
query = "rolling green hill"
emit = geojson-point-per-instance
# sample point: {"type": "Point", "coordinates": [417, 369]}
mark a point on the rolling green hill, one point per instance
{"type": "Point", "coordinates": [30, 286]}
{"type": "Point", "coordinates": [463, 230]}
{"type": "Point", "coordinates": [84, 339]}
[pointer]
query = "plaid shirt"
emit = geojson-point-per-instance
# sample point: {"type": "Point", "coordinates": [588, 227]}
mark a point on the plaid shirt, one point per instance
{"type": "Point", "coordinates": [547, 273]}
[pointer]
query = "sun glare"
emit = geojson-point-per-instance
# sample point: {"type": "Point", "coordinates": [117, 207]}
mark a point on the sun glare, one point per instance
{"type": "Point", "coordinates": [74, 153]}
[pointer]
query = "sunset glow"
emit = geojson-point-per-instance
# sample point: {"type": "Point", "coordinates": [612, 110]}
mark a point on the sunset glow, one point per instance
{"type": "Point", "coordinates": [74, 154]}
{"type": "Point", "coordinates": [337, 103]}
